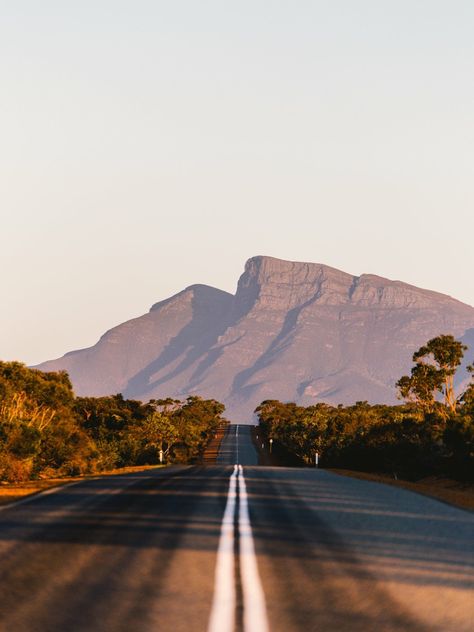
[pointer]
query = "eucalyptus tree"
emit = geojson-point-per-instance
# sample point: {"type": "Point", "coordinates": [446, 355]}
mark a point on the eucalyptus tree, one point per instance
{"type": "Point", "coordinates": [435, 367]}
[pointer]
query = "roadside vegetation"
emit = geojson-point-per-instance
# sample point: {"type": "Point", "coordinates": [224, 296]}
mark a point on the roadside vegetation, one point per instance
{"type": "Point", "coordinates": [47, 432]}
{"type": "Point", "coordinates": [430, 434]}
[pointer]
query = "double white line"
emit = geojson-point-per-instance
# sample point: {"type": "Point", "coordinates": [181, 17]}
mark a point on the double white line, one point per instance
{"type": "Point", "coordinates": [224, 602]}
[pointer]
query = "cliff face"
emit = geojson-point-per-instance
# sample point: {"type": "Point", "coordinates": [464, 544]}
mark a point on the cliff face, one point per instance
{"type": "Point", "coordinates": [293, 331]}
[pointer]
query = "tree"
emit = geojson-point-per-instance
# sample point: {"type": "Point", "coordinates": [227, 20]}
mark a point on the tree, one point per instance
{"type": "Point", "coordinates": [434, 370]}
{"type": "Point", "coordinates": [39, 432]}
{"type": "Point", "coordinates": [467, 398]}
{"type": "Point", "coordinates": [420, 387]}
{"type": "Point", "coordinates": [158, 433]}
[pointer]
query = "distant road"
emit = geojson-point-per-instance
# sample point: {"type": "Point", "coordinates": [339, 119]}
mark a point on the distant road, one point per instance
{"type": "Point", "coordinates": [237, 447]}
{"type": "Point", "coordinates": [291, 549]}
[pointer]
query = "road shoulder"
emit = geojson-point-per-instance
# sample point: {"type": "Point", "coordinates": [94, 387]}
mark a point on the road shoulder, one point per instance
{"type": "Point", "coordinates": [460, 495]}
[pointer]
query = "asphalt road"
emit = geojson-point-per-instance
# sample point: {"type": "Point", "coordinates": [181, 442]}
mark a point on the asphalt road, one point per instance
{"type": "Point", "coordinates": [237, 447]}
{"type": "Point", "coordinates": [291, 550]}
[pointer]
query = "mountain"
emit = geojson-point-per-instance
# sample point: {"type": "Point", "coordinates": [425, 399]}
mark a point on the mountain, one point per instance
{"type": "Point", "coordinates": [303, 332]}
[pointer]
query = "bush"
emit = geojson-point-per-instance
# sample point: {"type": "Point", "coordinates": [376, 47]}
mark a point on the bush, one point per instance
{"type": "Point", "coordinates": [46, 431]}
{"type": "Point", "coordinates": [14, 469]}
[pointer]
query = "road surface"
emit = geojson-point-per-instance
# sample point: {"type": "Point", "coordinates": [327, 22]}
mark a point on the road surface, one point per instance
{"type": "Point", "coordinates": [223, 548]}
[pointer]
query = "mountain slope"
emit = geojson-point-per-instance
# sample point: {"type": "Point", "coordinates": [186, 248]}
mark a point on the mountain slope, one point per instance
{"type": "Point", "coordinates": [131, 354]}
{"type": "Point", "coordinates": [293, 331]}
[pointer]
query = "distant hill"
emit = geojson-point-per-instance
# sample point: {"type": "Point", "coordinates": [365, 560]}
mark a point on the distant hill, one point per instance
{"type": "Point", "coordinates": [294, 331]}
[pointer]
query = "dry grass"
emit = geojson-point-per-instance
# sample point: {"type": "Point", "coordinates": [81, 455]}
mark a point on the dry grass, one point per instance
{"type": "Point", "coordinates": [11, 492]}
{"type": "Point", "coordinates": [449, 491]}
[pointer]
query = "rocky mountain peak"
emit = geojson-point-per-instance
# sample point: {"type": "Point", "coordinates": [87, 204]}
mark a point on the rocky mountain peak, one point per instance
{"type": "Point", "coordinates": [276, 284]}
{"type": "Point", "coordinates": [196, 294]}
{"type": "Point", "coordinates": [294, 331]}
{"type": "Point", "coordinates": [279, 284]}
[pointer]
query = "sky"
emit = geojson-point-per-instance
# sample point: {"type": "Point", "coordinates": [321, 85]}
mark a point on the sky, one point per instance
{"type": "Point", "coordinates": [146, 146]}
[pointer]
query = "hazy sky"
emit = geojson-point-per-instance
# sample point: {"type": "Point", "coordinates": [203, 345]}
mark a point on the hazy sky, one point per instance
{"type": "Point", "coordinates": [149, 145]}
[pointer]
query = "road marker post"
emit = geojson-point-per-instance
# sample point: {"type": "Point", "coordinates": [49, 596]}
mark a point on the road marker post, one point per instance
{"type": "Point", "coordinates": [316, 459]}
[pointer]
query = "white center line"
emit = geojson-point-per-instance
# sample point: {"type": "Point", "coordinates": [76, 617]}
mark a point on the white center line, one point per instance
{"type": "Point", "coordinates": [237, 444]}
{"type": "Point", "coordinates": [223, 611]}
{"type": "Point", "coordinates": [255, 612]}
{"type": "Point", "coordinates": [223, 603]}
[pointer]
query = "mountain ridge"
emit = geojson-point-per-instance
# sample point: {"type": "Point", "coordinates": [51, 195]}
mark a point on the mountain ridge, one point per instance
{"type": "Point", "coordinates": [296, 331]}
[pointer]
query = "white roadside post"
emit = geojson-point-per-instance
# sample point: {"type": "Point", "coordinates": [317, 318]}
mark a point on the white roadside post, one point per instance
{"type": "Point", "coordinates": [316, 459]}
{"type": "Point", "coordinates": [161, 456]}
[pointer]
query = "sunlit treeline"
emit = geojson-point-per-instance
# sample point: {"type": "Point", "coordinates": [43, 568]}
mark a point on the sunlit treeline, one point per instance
{"type": "Point", "coordinates": [431, 433]}
{"type": "Point", "coordinates": [45, 430]}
